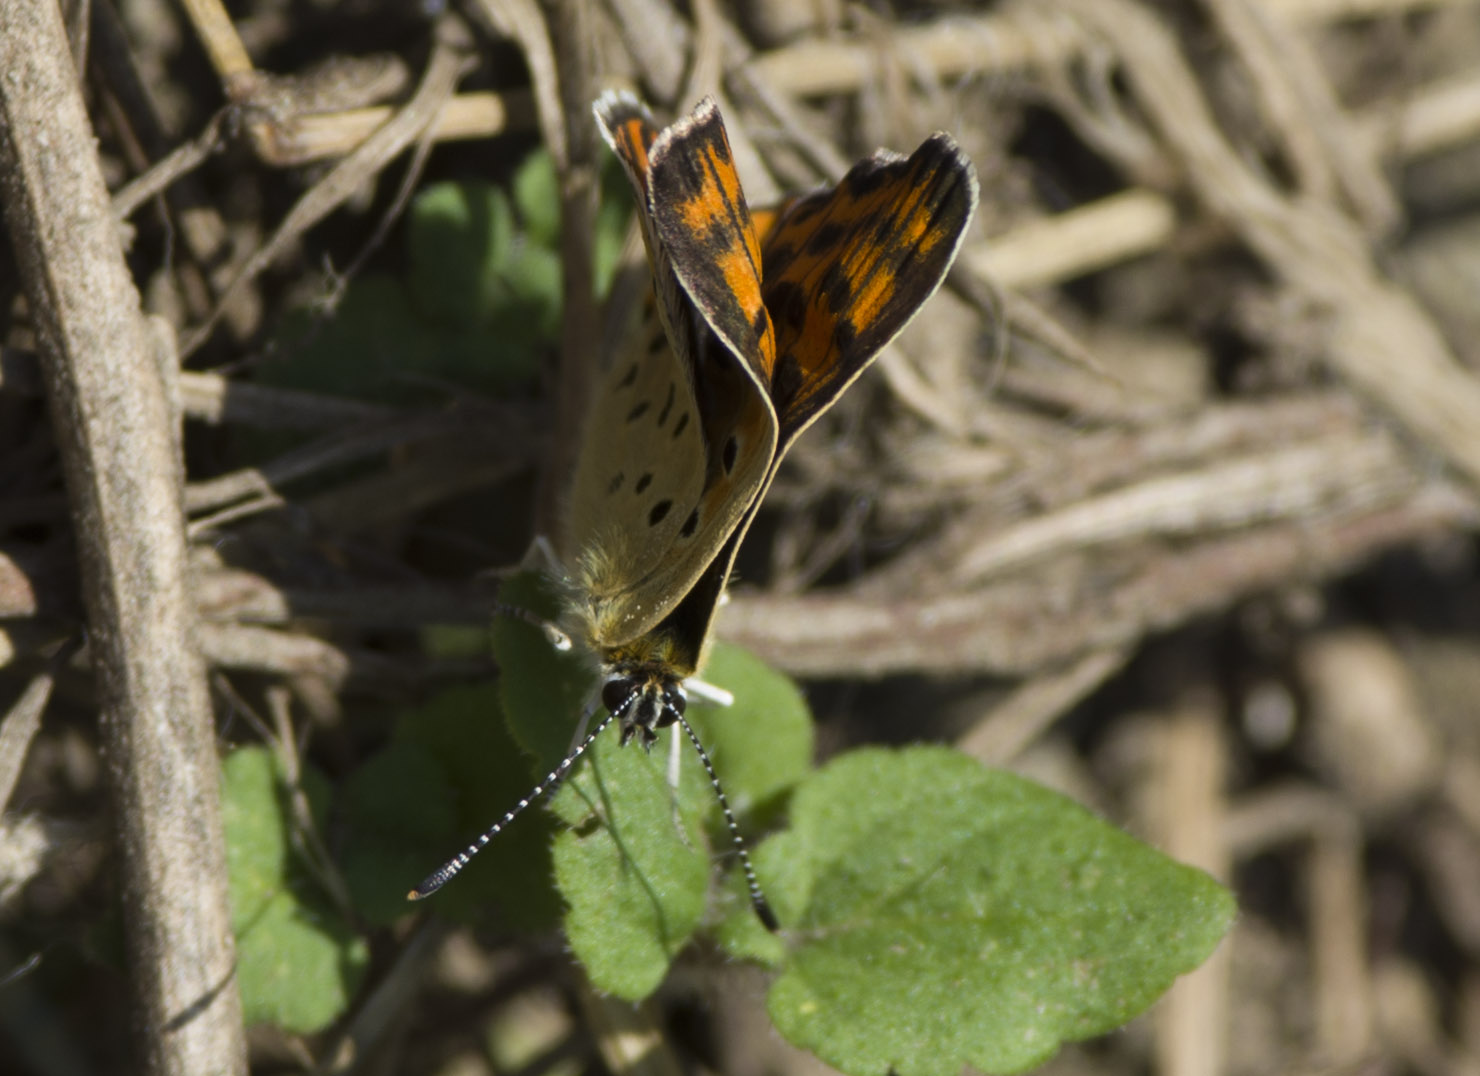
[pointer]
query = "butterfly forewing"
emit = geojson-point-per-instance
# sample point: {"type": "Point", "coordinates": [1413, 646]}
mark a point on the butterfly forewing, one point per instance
{"type": "Point", "coordinates": [846, 269]}
{"type": "Point", "coordinates": [630, 131]}
{"type": "Point", "coordinates": [680, 438]}
{"type": "Point", "coordinates": [701, 218]}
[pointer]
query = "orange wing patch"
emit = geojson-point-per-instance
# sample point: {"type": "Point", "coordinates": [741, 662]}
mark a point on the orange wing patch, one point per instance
{"type": "Point", "coordinates": [630, 130]}
{"type": "Point", "coordinates": [701, 219]}
{"type": "Point", "coordinates": [846, 269]}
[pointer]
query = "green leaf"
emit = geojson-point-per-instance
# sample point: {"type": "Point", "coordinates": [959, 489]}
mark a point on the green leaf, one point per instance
{"type": "Point", "coordinates": [635, 874]}
{"type": "Point", "coordinates": [762, 744]}
{"type": "Point", "coordinates": [450, 641]}
{"type": "Point", "coordinates": [459, 235]}
{"type": "Point", "coordinates": [396, 807]}
{"type": "Point", "coordinates": [537, 197]}
{"type": "Point", "coordinates": [940, 914]}
{"type": "Point", "coordinates": [298, 962]}
{"type": "Point", "coordinates": [361, 350]}
{"type": "Point", "coordinates": [492, 289]}
{"type": "Point", "coordinates": [543, 689]}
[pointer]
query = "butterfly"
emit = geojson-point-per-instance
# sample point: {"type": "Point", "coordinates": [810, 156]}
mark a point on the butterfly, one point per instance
{"type": "Point", "coordinates": [761, 322]}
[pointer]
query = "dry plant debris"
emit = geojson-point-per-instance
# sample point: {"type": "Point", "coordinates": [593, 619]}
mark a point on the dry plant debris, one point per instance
{"type": "Point", "coordinates": [1169, 499]}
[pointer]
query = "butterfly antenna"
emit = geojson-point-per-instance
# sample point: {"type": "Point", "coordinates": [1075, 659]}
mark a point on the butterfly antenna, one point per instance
{"type": "Point", "coordinates": [445, 873]}
{"type": "Point", "coordinates": [758, 900]}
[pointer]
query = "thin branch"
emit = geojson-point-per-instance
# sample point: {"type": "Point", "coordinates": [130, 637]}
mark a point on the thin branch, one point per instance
{"type": "Point", "coordinates": [446, 66]}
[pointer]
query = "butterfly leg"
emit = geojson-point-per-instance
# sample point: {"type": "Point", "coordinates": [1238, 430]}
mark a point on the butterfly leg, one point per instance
{"type": "Point", "coordinates": [540, 550]}
{"type": "Point", "coordinates": [540, 557]}
{"type": "Point", "coordinates": [675, 752]}
{"type": "Point", "coordinates": [709, 692]}
{"type": "Point", "coordinates": [587, 712]}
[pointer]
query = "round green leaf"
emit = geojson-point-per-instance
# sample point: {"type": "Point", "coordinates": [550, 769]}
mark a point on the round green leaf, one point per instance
{"type": "Point", "coordinates": [940, 914]}
{"type": "Point", "coordinates": [635, 872]}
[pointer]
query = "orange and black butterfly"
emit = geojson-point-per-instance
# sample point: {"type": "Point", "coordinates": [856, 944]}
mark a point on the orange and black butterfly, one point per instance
{"type": "Point", "coordinates": [754, 336]}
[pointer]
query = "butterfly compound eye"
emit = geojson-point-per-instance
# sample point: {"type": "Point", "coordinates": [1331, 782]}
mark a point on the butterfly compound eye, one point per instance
{"type": "Point", "coordinates": [617, 694]}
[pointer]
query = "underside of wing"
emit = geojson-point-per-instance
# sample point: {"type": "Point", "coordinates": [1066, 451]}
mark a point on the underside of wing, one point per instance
{"type": "Point", "coordinates": [640, 469]}
{"type": "Point", "coordinates": [845, 269]}
{"type": "Point", "coordinates": [680, 434]}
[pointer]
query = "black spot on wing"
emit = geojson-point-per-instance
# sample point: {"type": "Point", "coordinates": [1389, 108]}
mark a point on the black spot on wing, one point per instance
{"type": "Point", "coordinates": [690, 525]}
{"type": "Point", "coordinates": [760, 323]}
{"type": "Point", "coordinates": [638, 411]}
{"type": "Point", "coordinates": [729, 454]}
{"type": "Point", "coordinates": [719, 237]}
{"type": "Point", "coordinates": [680, 425]}
{"type": "Point", "coordinates": [837, 290]}
{"type": "Point", "coordinates": [808, 208]}
{"type": "Point", "coordinates": [786, 382]}
{"type": "Point", "coordinates": [616, 482]}
{"type": "Point", "coordinates": [845, 334]}
{"type": "Point", "coordinates": [628, 378]}
{"type": "Point", "coordinates": [643, 483]}
{"type": "Point", "coordinates": [776, 259]}
{"type": "Point", "coordinates": [656, 345]}
{"type": "Point", "coordinates": [787, 303]}
{"type": "Point", "coordinates": [824, 240]}
{"type": "Point", "coordinates": [667, 404]}
{"type": "Point", "coordinates": [658, 512]}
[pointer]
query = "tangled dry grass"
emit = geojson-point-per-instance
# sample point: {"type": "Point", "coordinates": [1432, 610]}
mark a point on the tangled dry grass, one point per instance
{"type": "Point", "coordinates": [1168, 499]}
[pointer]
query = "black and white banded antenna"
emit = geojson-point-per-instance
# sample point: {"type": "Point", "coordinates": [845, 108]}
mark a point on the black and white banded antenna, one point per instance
{"type": "Point", "coordinates": [449, 870]}
{"type": "Point", "coordinates": [758, 900]}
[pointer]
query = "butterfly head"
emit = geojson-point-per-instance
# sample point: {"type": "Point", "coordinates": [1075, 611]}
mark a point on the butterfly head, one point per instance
{"type": "Point", "coordinates": [643, 697]}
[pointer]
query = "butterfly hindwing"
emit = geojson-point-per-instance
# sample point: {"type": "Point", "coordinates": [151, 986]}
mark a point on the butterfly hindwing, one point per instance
{"type": "Point", "coordinates": [846, 268]}
{"type": "Point", "coordinates": [639, 474]}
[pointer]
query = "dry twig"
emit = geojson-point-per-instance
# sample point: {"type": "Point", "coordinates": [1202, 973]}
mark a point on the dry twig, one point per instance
{"type": "Point", "coordinates": [114, 433]}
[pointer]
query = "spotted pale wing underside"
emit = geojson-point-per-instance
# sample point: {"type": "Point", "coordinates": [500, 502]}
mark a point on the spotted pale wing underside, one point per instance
{"type": "Point", "coordinates": [679, 437]}
{"type": "Point", "coordinates": [641, 466]}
